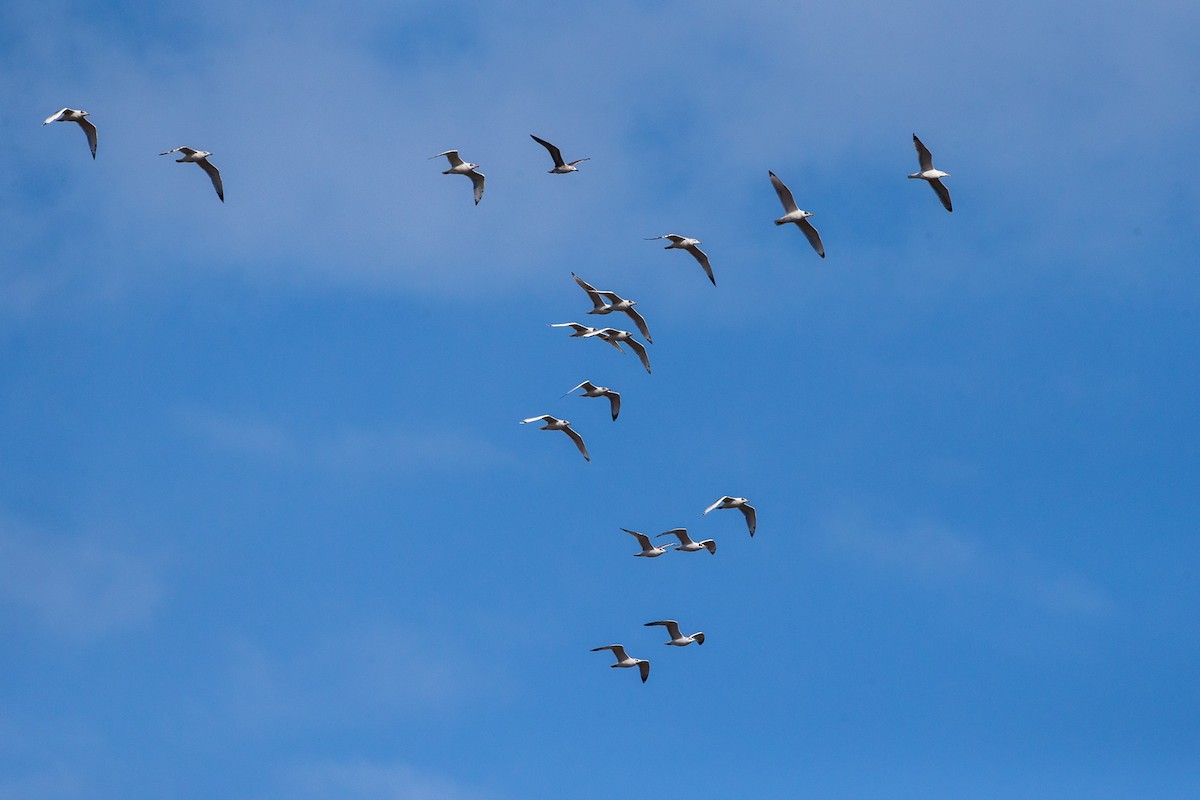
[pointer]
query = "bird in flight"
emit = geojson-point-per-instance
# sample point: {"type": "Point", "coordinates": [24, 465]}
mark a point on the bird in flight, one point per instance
{"type": "Point", "coordinates": [460, 167]}
{"type": "Point", "coordinates": [684, 243]}
{"type": "Point", "coordinates": [560, 167]}
{"type": "Point", "coordinates": [686, 544]}
{"type": "Point", "coordinates": [931, 175]}
{"type": "Point", "coordinates": [624, 660]}
{"type": "Point", "coordinates": [794, 214]}
{"type": "Point", "coordinates": [592, 390]}
{"type": "Point", "coordinates": [677, 638]}
{"type": "Point", "coordinates": [200, 157]}
{"type": "Point", "coordinates": [77, 116]}
{"type": "Point", "coordinates": [649, 550]}
{"type": "Point", "coordinates": [607, 302]}
{"type": "Point", "coordinates": [555, 424]}
{"type": "Point", "coordinates": [616, 338]}
{"type": "Point", "coordinates": [741, 504]}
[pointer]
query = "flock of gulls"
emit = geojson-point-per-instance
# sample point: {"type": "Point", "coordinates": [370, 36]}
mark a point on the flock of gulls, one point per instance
{"type": "Point", "coordinates": [604, 302]}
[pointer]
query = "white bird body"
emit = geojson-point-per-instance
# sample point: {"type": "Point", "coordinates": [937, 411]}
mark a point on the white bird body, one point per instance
{"type": "Point", "coordinates": [199, 157]}
{"type": "Point", "coordinates": [460, 167]}
{"type": "Point", "coordinates": [686, 544]}
{"type": "Point", "coordinates": [796, 215]}
{"type": "Point", "coordinates": [605, 302]}
{"type": "Point", "coordinates": [649, 549]}
{"type": "Point", "coordinates": [677, 638]}
{"type": "Point", "coordinates": [584, 332]}
{"type": "Point", "coordinates": [592, 390]}
{"type": "Point", "coordinates": [930, 175]}
{"type": "Point", "coordinates": [556, 424]}
{"type": "Point", "coordinates": [685, 243]}
{"type": "Point", "coordinates": [625, 660]}
{"type": "Point", "coordinates": [77, 116]}
{"type": "Point", "coordinates": [616, 337]}
{"type": "Point", "coordinates": [741, 504]}
{"type": "Point", "coordinates": [560, 167]}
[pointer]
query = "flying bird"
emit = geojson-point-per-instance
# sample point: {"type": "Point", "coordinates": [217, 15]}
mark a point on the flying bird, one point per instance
{"type": "Point", "coordinates": [592, 390]}
{"type": "Point", "coordinates": [684, 243]}
{"type": "Point", "coordinates": [741, 504]}
{"type": "Point", "coordinates": [76, 115]}
{"type": "Point", "coordinates": [677, 638]}
{"type": "Point", "coordinates": [560, 167]}
{"type": "Point", "coordinates": [460, 167]}
{"type": "Point", "coordinates": [616, 337]}
{"type": "Point", "coordinates": [583, 332]}
{"type": "Point", "coordinates": [796, 215]}
{"type": "Point", "coordinates": [200, 157]}
{"type": "Point", "coordinates": [928, 173]}
{"type": "Point", "coordinates": [649, 550]}
{"type": "Point", "coordinates": [624, 660]}
{"type": "Point", "coordinates": [604, 302]}
{"type": "Point", "coordinates": [555, 424]}
{"type": "Point", "coordinates": [686, 544]}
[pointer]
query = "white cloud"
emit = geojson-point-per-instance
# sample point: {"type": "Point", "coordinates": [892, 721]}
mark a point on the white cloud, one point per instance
{"type": "Point", "coordinates": [79, 587]}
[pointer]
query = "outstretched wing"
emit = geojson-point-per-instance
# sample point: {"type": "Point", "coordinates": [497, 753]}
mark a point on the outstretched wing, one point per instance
{"type": "Point", "coordinates": [923, 155]}
{"type": "Point", "coordinates": [536, 419]}
{"type": "Point", "coordinates": [703, 259]}
{"type": "Point", "coordinates": [90, 130]}
{"type": "Point", "coordinates": [640, 349]}
{"type": "Point", "coordinates": [785, 194]}
{"type": "Point", "coordinates": [942, 192]}
{"type": "Point", "coordinates": [814, 238]}
{"type": "Point", "coordinates": [477, 182]}
{"type": "Point", "coordinates": [578, 440]}
{"type": "Point", "coordinates": [56, 116]}
{"type": "Point", "coordinates": [679, 533]}
{"type": "Point", "coordinates": [214, 174]}
{"type": "Point", "coordinates": [640, 321]}
{"type": "Point", "coordinates": [592, 293]}
{"type": "Point", "coordinates": [717, 504]}
{"type": "Point", "coordinates": [555, 153]}
{"type": "Point", "coordinates": [642, 538]}
{"type": "Point", "coordinates": [452, 155]}
{"type": "Point", "coordinates": [614, 401]}
{"type": "Point", "coordinates": [751, 517]}
{"type": "Point", "coordinates": [644, 669]}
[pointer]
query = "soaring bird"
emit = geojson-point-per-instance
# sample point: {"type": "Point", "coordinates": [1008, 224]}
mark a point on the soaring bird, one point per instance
{"type": "Point", "coordinates": [686, 544]}
{"type": "Point", "coordinates": [76, 115]}
{"type": "Point", "coordinates": [200, 157]}
{"type": "Point", "coordinates": [460, 167]}
{"type": "Point", "coordinates": [677, 638]}
{"type": "Point", "coordinates": [555, 424]}
{"type": "Point", "coordinates": [624, 660]}
{"type": "Point", "coordinates": [592, 390]}
{"type": "Point", "coordinates": [796, 215]}
{"type": "Point", "coordinates": [583, 332]}
{"type": "Point", "coordinates": [560, 167]}
{"type": "Point", "coordinates": [649, 550]}
{"type": "Point", "coordinates": [616, 338]}
{"type": "Point", "coordinates": [604, 302]}
{"type": "Point", "coordinates": [741, 504]}
{"type": "Point", "coordinates": [684, 243]}
{"type": "Point", "coordinates": [928, 173]}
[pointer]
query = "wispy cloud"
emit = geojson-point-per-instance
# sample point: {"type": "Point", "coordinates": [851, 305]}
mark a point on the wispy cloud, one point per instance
{"type": "Point", "coordinates": [368, 780]}
{"type": "Point", "coordinates": [937, 556]}
{"type": "Point", "coordinates": [345, 449]}
{"type": "Point", "coordinates": [78, 587]}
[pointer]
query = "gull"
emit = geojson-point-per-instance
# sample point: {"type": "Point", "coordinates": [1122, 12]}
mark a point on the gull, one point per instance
{"type": "Point", "coordinates": [200, 157]}
{"type": "Point", "coordinates": [648, 550]}
{"type": "Point", "coordinates": [583, 332]}
{"type": "Point", "coordinates": [796, 215]}
{"type": "Point", "coordinates": [677, 638]}
{"type": "Point", "coordinates": [741, 504]}
{"type": "Point", "coordinates": [684, 243]}
{"type": "Point", "coordinates": [560, 167]}
{"type": "Point", "coordinates": [928, 173]}
{"type": "Point", "coordinates": [460, 167]}
{"type": "Point", "coordinates": [555, 424]}
{"type": "Point", "coordinates": [623, 659]}
{"type": "Point", "coordinates": [592, 390]}
{"type": "Point", "coordinates": [76, 115]}
{"type": "Point", "coordinates": [686, 544]}
{"type": "Point", "coordinates": [615, 337]}
{"type": "Point", "coordinates": [608, 302]}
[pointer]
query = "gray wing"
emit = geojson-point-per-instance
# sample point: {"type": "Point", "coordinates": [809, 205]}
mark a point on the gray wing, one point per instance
{"type": "Point", "coordinates": [187, 151]}
{"type": "Point", "coordinates": [578, 440]}
{"type": "Point", "coordinates": [642, 538]}
{"type": "Point", "coordinates": [536, 419]}
{"type": "Point", "coordinates": [90, 130]}
{"type": "Point", "coordinates": [214, 175]}
{"type": "Point", "coordinates": [717, 504]}
{"type": "Point", "coordinates": [679, 533]}
{"type": "Point", "coordinates": [638, 320]}
{"type": "Point", "coordinates": [644, 669]}
{"type": "Point", "coordinates": [617, 650]}
{"type": "Point", "coordinates": [614, 400]}
{"type": "Point", "coordinates": [640, 349]}
{"type": "Point", "coordinates": [477, 182]}
{"type": "Point", "coordinates": [671, 625]}
{"type": "Point", "coordinates": [583, 385]}
{"type": "Point", "coordinates": [751, 517]}
{"type": "Point", "coordinates": [555, 153]}
{"type": "Point", "coordinates": [785, 194]}
{"type": "Point", "coordinates": [592, 292]}
{"type": "Point", "coordinates": [578, 161]}
{"type": "Point", "coordinates": [814, 238]}
{"type": "Point", "coordinates": [56, 116]}
{"type": "Point", "coordinates": [923, 154]}
{"type": "Point", "coordinates": [452, 155]}
{"type": "Point", "coordinates": [942, 192]}
{"type": "Point", "coordinates": [703, 259]}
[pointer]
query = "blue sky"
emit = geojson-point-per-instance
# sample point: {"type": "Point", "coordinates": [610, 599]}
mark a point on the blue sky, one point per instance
{"type": "Point", "coordinates": [269, 527]}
